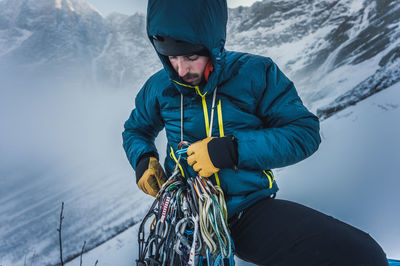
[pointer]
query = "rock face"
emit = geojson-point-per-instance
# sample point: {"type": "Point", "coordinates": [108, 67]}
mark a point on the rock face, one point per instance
{"type": "Point", "coordinates": [128, 57]}
{"type": "Point", "coordinates": [50, 33]}
{"type": "Point", "coordinates": [383, 78]}
{"type": "Point", "coordinates": [70, 38]}
{"type": "Point", "coordinates": [327, 47]}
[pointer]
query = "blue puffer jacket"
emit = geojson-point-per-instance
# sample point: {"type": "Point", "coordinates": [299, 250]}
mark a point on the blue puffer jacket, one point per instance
{"type": "Point", "coordinates": [256, 103]}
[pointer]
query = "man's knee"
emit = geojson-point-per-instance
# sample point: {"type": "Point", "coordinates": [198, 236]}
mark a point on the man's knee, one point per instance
{"type": "Point", "coordinates": [359, 248]}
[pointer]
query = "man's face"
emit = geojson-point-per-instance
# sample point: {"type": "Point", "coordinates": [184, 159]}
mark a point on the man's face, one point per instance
{"type": "Point", "coordinates": [189, 67]}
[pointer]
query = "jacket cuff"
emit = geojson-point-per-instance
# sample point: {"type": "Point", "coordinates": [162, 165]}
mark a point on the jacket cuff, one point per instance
{"type": "Point", "coordinates": [223, 152]}
{"type": "Point", "coordinates": [143, 164]}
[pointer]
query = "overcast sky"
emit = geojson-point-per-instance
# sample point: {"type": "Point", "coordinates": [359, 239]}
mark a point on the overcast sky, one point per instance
{"type": "Point", "coordinates": [132, 6]}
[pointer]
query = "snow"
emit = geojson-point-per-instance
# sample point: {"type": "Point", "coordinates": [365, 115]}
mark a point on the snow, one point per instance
{"type": "Point", "coordinates": [75, 156]}
{"type": "Point", "coordinates": [339, 81]}
{"type": "Point", "coordinates": [356, 6]}
{"type": "Point", "coordinates": [81, 7]}
{"type": "Point", "coordinates": [353, 177]}
{"type": "Point", "coordinates": [11, 39]}
{"type": "Point", "coordinates": [58, 4]}
{"type": "Point", "coordinates": [236, 3]}
{"type": "Point", "coordinates": [121, 250]}
{"type": "Point", "coordinates": [309, 49]}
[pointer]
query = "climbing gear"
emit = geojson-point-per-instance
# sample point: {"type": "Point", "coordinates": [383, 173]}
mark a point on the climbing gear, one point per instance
{"type": "Point", "coordinates": [188, 225]}
{"type": "Point", "coordinates": [188, 219]}
{"type": "Point", "coordinates": [153, 177]}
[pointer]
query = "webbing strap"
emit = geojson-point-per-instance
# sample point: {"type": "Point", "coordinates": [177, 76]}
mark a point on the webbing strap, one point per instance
{"type": "Point", "coordinates": [270, 177]}
{"type": "Point", "coordinates": [172, 154]}
{"type": "Point", "coordinates": [208, 123]}
{"type": "Point", "coordinates": [212, 113]}
{"type": "Point", "coordinates": [221, 132]}
{"type": "Point", "coordinates": [209, 129]}
{"type": "Point", "coordinates": [181, 117]}
{"type": "Point", "coordinates": [220, 121]}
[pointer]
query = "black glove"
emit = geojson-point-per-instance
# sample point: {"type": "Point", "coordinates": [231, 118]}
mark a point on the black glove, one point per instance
{"type": "Point", "coordinates": [223, 152]}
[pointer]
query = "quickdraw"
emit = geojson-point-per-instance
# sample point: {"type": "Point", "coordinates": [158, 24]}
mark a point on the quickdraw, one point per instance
{"type": "Point", "coordinates": [189, 224]}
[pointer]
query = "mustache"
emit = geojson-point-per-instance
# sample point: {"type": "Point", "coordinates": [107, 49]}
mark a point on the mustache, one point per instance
{"type": "Point", "coordinates": [190, 76]}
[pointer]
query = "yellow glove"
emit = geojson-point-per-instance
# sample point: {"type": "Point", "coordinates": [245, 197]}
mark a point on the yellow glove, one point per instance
{"type": "Point", "coordinates": [153, 177]}
{"type": "Point", "coordinates": [199, 158]}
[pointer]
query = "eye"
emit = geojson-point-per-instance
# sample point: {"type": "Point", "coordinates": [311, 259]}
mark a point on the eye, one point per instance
{"type": "Point", "coordinates": [192, 57]}
{"type": "Point", "coordinates": [171, 57]}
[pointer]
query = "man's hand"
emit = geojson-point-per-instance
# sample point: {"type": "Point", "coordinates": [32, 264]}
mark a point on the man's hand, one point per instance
{"type": "Point", "coordinates": [199, 158]}
{"type": "Point", "coordinates": [151, 175]}
{"type": "Point", "coordinates": [211, 154]}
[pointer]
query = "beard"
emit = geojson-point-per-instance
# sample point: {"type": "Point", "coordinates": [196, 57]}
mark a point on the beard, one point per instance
{"type": "Point", "coordinates": [193, 79]}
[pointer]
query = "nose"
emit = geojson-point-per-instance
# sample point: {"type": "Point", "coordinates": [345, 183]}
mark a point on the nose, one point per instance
{"type": "Point", "coordinates": [183, 67]}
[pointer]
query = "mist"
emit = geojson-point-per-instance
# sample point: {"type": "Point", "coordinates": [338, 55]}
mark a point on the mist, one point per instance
{"type": "Point", "coordinates": [61, 142]}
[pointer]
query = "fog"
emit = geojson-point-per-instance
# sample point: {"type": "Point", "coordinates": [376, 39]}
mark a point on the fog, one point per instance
{"type": "Point", "coordinates": [61, 141]}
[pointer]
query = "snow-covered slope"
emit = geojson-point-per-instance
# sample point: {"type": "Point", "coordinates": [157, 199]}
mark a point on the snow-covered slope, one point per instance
{"type": "Point", "coordinates": [383, 78]}
{"type": "Point", "coordinates": [62, 144]}
{"type": "Point", "coordinates": [353, 177]}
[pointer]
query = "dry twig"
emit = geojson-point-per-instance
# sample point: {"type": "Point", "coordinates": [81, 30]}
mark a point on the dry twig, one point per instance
{"type": "Point", "coordinates": [59, 233]}
{"type": "Point", "coordinates": [83, 248]}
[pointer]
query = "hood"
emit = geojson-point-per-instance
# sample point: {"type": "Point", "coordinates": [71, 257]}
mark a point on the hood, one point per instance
{"type": "Point", "coordinates": [196, 21]}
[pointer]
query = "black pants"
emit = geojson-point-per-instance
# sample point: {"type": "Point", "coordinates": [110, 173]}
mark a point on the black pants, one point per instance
{"type": "Point", "coordinates": [280, 232]}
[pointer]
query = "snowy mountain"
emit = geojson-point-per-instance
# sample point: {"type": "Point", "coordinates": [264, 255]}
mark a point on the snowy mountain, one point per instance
{"type": "Point", "coordinates": [127, 58]}
{"type": "Point", "coordinates": [71, 37]}
{"type": "Point", "coordinates": [52, 36]}
{"type": "Point", "coordinates": [383, 78]}
{"type": "Point", "coordinates": [327, 47]}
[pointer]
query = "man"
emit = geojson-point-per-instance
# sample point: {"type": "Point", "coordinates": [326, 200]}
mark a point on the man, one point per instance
{"type": "Point", "coordinates": [260, 124]}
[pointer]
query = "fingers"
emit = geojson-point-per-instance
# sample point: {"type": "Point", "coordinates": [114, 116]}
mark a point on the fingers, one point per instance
{"type": "Point", "coordinates": [149, 183]}
{"type": "Point", "coordinates": [152, 186]}
{"type": "Point", "coordinates": [197, 167]}
{"type": "Point", "coordinates": [161, 180]}
{"type": "Point", "coordinates": [190, 150]}
{"type": "Point", "coordinates": [205, 173]}
{"type": "Point", "coordinates": [142, 187]}
{"type": "Point", "coordinates": [202, 172]}
{"type": "Point", "coordinates": [153, 178]}
{"type": "Point", "coordinates": [199, 158]}
{"type": "Point", "coordinates": [191, 160]}
{"type": "Point", "coordinates": [193, 147]}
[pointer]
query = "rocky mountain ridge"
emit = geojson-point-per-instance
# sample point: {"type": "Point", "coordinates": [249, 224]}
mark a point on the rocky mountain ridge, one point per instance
{"type": "Point", "coordinates": [327, 47]}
